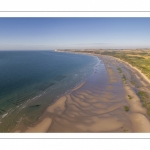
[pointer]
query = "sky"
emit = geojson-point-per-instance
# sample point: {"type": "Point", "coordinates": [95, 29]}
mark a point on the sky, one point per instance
{"type": "Point", "coordinates": [74, 33]}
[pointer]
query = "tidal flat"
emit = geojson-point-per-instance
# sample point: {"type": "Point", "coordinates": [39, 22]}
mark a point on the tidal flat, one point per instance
{"type": "Point", "coordinates": [109, 101]}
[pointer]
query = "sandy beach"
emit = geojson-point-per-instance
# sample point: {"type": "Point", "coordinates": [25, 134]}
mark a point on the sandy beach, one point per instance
{"type": "Point", "coordinates": [106, 102]}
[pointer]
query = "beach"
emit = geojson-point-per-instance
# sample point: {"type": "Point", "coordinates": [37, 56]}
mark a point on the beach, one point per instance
{"type": "Point", "coordinates": [106, 102]}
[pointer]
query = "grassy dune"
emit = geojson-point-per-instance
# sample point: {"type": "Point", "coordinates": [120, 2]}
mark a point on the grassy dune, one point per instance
{"type": "Point", "coordinates": [137, 58]}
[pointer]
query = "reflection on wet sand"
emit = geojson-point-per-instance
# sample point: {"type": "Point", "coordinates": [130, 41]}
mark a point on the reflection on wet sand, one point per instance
{"type": "Point", "coordinates": [97, 105]}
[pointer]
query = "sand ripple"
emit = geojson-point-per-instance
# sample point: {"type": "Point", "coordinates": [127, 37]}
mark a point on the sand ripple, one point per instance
{"type": "Point", "coordinates": [97, 105]}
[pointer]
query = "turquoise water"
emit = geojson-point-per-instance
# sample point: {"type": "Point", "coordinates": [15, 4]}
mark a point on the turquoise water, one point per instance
{"type": "Point", "coordinates": [32, 80]}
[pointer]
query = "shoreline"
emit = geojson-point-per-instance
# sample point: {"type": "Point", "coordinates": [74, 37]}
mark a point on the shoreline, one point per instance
{"type": "Point", "coordinates": [65, 114]}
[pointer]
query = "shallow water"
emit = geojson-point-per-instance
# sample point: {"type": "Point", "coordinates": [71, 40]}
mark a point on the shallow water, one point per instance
{"type": "Point", "coordinates": [32, 80]}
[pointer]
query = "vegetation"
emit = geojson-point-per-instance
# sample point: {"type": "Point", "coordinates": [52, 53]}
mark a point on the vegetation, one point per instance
{"type": "Point", "coordinates": [125, 130]}
{"type": "Point", "coordinates": [145, 100]}
{"type": "Point", "coordinates": [124, 77]}
{"type": "Point", "coordinates": [130, 97]}
{"type": "Point", "coordinates": [119, 69]}
{"type": "Point", "coordinates": [142, 94]}
{"type": "Point", "coordinates": [126, 108]}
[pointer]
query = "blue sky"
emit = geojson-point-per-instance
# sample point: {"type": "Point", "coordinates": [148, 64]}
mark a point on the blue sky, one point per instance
{"type": "Point", "coordinates": [75, 33]}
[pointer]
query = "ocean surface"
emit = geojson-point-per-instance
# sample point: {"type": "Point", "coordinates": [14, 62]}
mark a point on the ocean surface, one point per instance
{"type": "Point", "coordinates": [30, 81]}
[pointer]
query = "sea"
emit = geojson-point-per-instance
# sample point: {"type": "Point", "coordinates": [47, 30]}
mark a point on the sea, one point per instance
{"type": "Point", "coordinates": [30, 81]}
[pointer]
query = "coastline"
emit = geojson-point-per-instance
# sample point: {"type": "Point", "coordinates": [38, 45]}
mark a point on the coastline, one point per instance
{"type": "Point", "coordinates": [94, 104]}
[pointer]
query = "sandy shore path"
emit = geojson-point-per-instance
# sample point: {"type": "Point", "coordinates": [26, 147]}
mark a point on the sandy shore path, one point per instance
{"type": "Point", "coordinates": [106, 102]}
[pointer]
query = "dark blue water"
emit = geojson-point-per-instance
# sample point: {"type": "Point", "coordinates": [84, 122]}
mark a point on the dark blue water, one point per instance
{"type": "Point", "coordinates": [32, 80]}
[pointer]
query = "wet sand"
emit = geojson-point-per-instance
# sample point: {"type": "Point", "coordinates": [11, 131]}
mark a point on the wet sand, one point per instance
{"type": "Point", "coordinates": [97, 105]}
